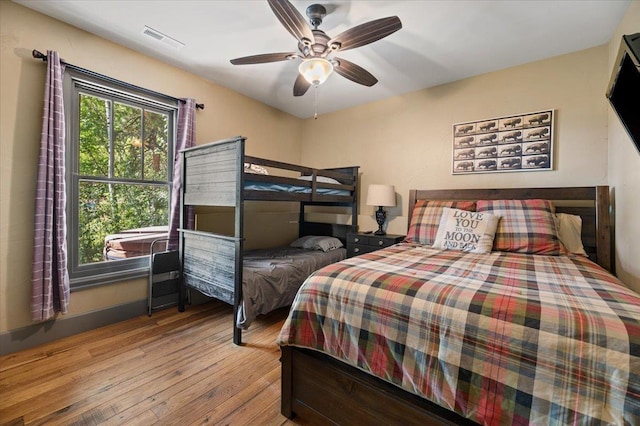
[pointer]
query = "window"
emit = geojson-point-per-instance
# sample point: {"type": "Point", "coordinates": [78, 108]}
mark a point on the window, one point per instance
{"type": "Point", "coordinates": [119, 168]}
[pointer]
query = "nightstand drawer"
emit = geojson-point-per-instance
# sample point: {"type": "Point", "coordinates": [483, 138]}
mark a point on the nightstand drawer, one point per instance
{"type": "Point", "coordinates": [359, 243]}
{"type": "Point", "coordinates": [381, 242]}
{"type": "Point", "coordinates": [357, 250]}
{"type": "Point", "coordinates": [357, 239]}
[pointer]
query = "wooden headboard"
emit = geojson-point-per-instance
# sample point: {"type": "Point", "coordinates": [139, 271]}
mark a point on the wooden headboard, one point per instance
{"type": "Point", "coordinates": [591, 203]}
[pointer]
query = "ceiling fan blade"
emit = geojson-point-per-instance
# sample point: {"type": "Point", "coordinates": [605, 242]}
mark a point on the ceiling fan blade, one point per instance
{"type": "Point", "coordinates": [354, 72]}
{"type": "Point", "coordinates": [266, 57]}
{"type": "Point", "coordinates": [292, 20]}
{"type": "Point", "coordinates": [301, 86]}
{"type": "Point", "coordinates": [365, 33]}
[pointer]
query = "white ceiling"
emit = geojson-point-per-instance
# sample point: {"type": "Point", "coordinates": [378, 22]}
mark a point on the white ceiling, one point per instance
{"type": "Point", "coordinates": [440, 42]}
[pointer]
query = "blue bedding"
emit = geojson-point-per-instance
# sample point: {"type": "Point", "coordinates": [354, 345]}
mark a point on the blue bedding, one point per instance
{"type": "Point", "coordinates": [277, 187]}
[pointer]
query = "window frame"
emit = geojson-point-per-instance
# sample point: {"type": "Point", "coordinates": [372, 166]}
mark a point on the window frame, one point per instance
{"type": "Point", "coordinates": [76, 83]}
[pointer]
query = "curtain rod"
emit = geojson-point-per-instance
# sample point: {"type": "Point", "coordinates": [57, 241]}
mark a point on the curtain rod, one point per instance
{"type": "Point", "coordinates": [39, 55]}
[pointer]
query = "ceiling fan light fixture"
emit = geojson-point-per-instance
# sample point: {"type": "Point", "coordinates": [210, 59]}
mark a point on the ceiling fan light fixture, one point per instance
{"type": "Point", "coordinates": [316, 70]}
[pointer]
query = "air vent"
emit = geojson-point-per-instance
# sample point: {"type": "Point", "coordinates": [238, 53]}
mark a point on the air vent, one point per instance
{"type": "Point", "coordinates": [163, 38]}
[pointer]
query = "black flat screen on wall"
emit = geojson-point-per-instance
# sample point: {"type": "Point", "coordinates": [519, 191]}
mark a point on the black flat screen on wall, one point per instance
{"type": "Point", "coordinates": [624, 87]}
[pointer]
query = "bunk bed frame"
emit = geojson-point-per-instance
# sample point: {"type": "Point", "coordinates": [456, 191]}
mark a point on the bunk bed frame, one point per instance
{"type": "Point", "coordinates": [213, 175]}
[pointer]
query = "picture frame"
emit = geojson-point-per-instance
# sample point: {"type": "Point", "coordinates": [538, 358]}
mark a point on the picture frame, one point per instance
{"type": "Point", "coordinates": [514, 143]}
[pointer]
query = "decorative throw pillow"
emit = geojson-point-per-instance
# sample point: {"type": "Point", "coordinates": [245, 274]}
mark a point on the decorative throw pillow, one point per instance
{"type": "Point", "coordinates": [425, 219]}
{"type": "Point", "coordinates": [313, 242]}
{"type": "Point", "coordinates": [570, 232]}
{"type": "Point", "coordinates": [462, 230]}
{"type": "Point", "coordinates": [526, 226]}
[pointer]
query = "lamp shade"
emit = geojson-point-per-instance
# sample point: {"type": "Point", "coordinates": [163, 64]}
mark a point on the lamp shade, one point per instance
{"type": "Point", "coordinates": [381, 195]}
{"type": "Point", "coordinates": [316, 70]}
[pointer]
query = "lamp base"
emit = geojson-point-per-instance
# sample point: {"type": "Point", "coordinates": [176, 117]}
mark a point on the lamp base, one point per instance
{"type": "Point", "coordinates": [381, 216]}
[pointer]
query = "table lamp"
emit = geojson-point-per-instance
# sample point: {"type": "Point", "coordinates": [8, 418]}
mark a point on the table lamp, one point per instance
{"type": "Point", "coordinates": [381, 196]}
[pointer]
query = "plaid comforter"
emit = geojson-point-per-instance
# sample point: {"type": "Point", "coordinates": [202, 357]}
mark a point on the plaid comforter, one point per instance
{"type": "Point", "coordinates": [499, 338]}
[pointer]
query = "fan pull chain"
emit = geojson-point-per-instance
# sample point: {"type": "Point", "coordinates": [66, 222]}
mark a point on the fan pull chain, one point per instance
{"type": "Point", "coordinates": [315, 106]}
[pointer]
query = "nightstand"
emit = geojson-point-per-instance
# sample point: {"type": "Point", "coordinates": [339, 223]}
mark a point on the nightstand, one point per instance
{"type": "Point", "coordinates": [360, 243]}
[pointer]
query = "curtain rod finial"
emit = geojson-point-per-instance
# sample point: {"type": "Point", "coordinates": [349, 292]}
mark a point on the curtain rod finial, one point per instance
{"type": "Point", "coordinates": [38, 55]}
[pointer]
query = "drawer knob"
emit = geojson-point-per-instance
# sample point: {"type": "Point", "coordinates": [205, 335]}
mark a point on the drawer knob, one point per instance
{"type": "Point", "coordinates": [380, 242]}
{"type": "Point", "coordinates": [357, 240]}
{"type": "Point", "coordinates": [356, 250]}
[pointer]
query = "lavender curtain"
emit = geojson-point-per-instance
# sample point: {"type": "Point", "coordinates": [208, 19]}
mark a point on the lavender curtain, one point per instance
{"type": "Point", "coordinates": [49, 274]}
{"type": "Point", "coordinates": [186, 138]}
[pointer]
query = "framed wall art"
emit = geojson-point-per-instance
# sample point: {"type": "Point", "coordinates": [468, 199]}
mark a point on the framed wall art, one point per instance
{"type": "Point", "coordinates": [516, 143]}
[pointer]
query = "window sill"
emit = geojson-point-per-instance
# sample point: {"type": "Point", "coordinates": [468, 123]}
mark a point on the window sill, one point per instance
{"type": "Point", "coordinates": [83, 283]}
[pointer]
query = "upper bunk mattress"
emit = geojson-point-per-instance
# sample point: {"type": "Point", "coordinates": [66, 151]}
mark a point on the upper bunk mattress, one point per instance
{"type": "Point", "coordinates": [278, 187]}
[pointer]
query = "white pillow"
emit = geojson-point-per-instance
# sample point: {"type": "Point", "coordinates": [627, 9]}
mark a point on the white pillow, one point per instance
{"type": "Point", "coordinates": [313, 242]}
{"type": "Point", "coordinates": [255, 169]}
{"type": "Point", "coordinates": [467, 231]}
{"type": "Point", "coordinates": [321, 179]}
{"type": "Point", "coordinates": [570, 232]}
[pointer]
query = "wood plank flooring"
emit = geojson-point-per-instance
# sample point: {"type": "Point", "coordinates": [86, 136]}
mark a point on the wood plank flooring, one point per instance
{"type": "Point", "coordinates": [170, 368]}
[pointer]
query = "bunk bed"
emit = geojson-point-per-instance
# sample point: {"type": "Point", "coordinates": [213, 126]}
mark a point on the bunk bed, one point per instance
{"type": "Point", "coordinates": [220, 174]}
{"type": "Point", "coordinates": [411, 334]}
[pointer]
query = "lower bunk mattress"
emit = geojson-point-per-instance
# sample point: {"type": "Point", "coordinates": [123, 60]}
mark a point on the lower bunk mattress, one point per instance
{"type": "Point", "coordinates": [270, 277]}
{"type": "Point", "coordinates": [498, 338]}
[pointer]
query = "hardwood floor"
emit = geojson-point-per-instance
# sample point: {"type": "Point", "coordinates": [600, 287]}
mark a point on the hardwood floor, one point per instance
{"type": "Point", "coordinates": [170, 368]}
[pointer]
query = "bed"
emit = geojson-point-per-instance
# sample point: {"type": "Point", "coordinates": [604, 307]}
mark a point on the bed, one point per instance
{"type": "Point", "coordinates": [413, 334]}
{"type": "Point", "coordinates": [220, 174]}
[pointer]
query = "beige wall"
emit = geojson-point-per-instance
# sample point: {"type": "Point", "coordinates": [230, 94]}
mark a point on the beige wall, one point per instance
{"type": "Point", "coordinates": [624, 173]}
{"type": "Point", "coordinates": [406, 140]}
{"type": "Point", "coordinates": [270, 133]}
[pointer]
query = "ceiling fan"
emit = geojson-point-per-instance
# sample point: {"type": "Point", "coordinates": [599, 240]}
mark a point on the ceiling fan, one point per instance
{"type": "Point", "coordinates": [316, 48]}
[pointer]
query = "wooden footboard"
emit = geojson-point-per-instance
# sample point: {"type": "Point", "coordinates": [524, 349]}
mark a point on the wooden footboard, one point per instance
{"type": "Point", "coordinates": [322, 390]}
{"type": "Point", "coordinates": [210, 264]}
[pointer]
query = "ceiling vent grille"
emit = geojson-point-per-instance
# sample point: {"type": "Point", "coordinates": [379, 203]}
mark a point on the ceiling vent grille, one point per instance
{"type": "Point", "coordinates": [163, 38]}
